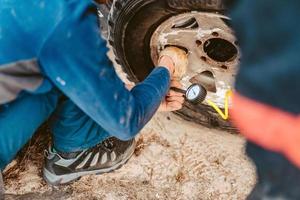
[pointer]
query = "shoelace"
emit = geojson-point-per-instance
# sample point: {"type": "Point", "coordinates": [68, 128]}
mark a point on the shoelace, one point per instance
{"type": "Point", "coordinates": [109, 144]}
{"type": "Point", "coordinates": [106, 145]}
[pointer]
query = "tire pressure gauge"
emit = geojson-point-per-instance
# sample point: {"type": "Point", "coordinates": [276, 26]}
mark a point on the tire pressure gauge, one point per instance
{"type": "Point", "coordinates": [195, 93]}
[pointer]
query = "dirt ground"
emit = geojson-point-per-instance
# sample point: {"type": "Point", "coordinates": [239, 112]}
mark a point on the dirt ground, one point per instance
{"type": "Point", "coordinates": [174, 159]}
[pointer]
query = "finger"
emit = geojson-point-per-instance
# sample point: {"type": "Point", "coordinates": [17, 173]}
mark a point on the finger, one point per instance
{"type": "Point", "coordinates": [176, 84]}
{"type": "Point", "coordinates": [174, 98]}
{"type": "Point", "coordinates": [173, 93]}
{"type": "Point", "coordinates": [173, 106]}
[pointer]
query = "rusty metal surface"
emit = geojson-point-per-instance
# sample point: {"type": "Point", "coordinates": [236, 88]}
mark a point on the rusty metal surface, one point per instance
{"type": "Point", "coordinates": [195, 32]}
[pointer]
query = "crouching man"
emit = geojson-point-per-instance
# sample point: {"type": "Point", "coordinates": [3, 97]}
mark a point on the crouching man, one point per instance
{"type": "Point", "coordinates": [53, 63]}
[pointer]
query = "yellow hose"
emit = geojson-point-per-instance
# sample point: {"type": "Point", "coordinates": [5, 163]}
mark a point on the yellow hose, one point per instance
{"type": "Point", "coordinates": [225, 115]}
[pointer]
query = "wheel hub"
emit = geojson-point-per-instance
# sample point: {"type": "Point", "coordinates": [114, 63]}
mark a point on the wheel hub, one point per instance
{"type": "Point", "coordinates": [211, 44]}
{"type": "Point", "coordinates": [220, 50]}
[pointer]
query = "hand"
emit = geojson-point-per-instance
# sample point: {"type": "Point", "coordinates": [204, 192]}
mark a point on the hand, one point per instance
{"type": "Point", "coordinates": [167, 62]}
{"type": "Point", "coordinates": [174, 100]}
{"type": "Point", "coordinates": [175, 60]}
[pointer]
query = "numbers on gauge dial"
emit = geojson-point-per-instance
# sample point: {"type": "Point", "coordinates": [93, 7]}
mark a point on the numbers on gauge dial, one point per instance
{"type": "Point", "coordinates": [193, 92]}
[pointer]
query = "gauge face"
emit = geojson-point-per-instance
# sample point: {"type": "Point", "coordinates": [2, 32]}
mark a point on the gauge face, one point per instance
{"type": "Point", "coordinates": [193, 92]}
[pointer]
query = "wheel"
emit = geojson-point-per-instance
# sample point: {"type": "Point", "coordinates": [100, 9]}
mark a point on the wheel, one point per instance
{"type": "Point", "coordinates": [140, 29]}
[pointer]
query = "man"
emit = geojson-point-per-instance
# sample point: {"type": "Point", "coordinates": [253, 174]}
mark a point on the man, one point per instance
{"type": "Point", "coordinates": [266, 105]}
{"type": "Point", "coordinates": [53, 63]}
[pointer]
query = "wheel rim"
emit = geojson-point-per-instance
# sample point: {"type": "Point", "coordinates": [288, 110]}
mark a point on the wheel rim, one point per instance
{"type": "Point", "coordinates": [212, 47]}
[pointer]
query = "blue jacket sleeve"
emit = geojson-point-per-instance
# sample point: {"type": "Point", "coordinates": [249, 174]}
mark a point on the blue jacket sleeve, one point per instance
{"type": "Point", "coordinates": [74, 58]}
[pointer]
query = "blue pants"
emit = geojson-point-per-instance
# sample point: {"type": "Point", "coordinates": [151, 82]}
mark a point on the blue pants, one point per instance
{"type": "Point", "coordinates": [72, 129]}
{"type": "Point", "coordinates": [278, 178]}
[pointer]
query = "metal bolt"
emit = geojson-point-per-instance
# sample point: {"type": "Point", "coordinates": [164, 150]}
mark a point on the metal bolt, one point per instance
{"type": "Point", "coordinates": [203, 58]}
{"type": "Point", "coordinates": [198, 42]}
{"type": "Point", "coordinates": [216, 34]}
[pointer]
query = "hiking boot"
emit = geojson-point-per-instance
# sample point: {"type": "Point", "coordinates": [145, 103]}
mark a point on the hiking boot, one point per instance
{"type": "Point", "coordinates": [62, 168]}
{"type": "Point", "coordinates": [1, 187]}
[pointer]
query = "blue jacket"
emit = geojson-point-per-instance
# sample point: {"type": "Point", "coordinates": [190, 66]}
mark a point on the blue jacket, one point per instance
{"type": "Point", "coordinates": [46, 44]}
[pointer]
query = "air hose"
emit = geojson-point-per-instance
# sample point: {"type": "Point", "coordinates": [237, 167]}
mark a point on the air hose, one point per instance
{"type": "Point", "coordinates": [224, 115]}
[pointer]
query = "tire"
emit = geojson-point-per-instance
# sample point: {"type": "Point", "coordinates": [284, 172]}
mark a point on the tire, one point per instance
{"type": "Point", "coordinates": [131, 25]}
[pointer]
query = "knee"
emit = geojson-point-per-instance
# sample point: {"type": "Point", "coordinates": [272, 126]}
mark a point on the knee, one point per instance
{"type": "Point", "coordinates": [51, 100]}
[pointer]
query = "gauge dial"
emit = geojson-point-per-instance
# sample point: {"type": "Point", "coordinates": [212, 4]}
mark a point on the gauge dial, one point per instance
{"type": "Point", "coordinates": [193, 92]}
